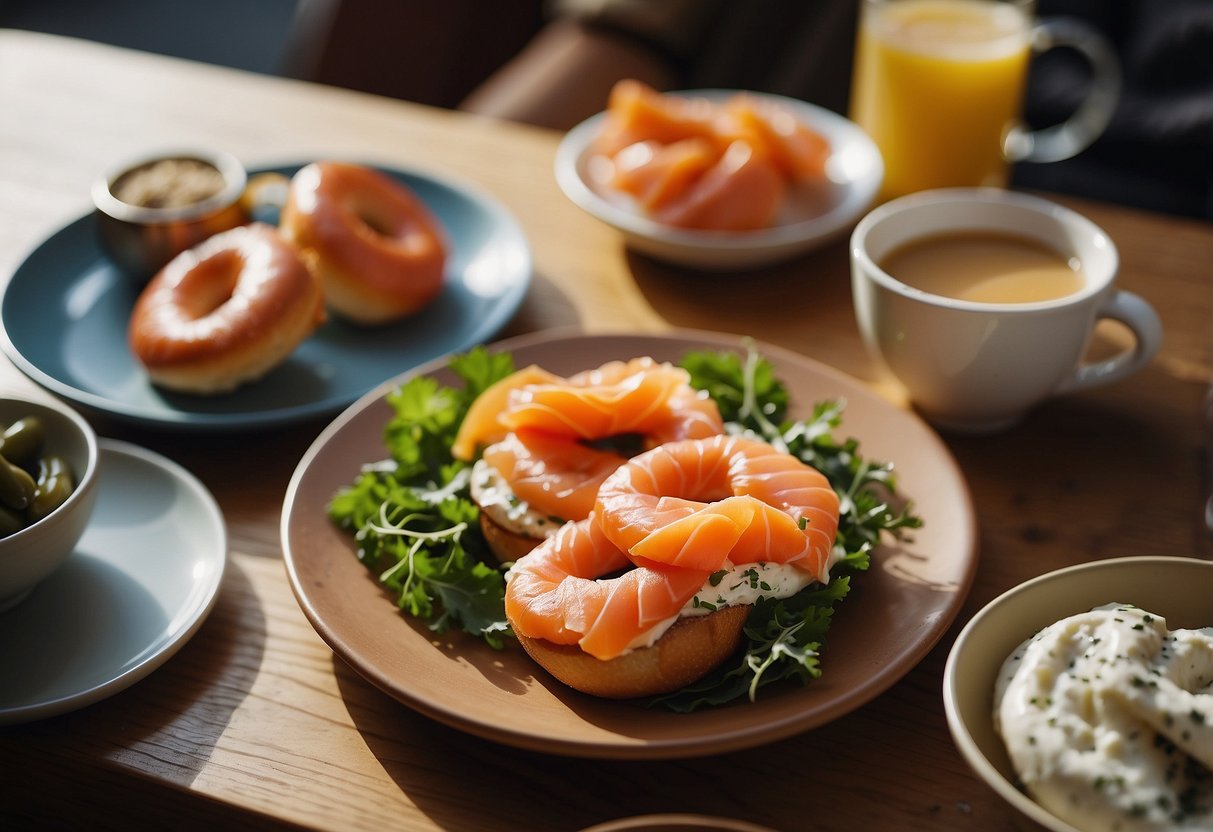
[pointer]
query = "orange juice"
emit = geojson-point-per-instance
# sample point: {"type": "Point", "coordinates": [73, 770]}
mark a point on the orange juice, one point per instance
{"type": "Point", "coordinates": [937, 84]}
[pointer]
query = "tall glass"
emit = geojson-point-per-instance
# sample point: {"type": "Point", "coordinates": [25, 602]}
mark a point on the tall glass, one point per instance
{"type": "Point", "coordinates": [939, 86]}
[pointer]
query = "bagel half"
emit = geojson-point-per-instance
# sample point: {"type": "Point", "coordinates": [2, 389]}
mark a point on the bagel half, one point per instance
{"type": "Point", "coordinates": [686, 652]}
{"type": "Point", "coordinates": [506, 545]}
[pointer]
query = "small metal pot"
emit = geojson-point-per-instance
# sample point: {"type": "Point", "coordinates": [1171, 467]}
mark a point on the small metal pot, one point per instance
{"type": "Point", "coordinates": [141, 240]}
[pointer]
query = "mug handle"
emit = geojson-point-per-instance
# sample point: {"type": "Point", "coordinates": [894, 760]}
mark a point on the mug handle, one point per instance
{"type": "Point", "coordinates": [1132, 311]}
{"type": "Point", "coordinates": [1075, 134]}
{"type": "Point", "coordinates": [264, 196]}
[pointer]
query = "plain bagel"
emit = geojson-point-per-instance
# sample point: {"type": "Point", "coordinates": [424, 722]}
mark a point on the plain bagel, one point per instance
{"type": "Point", "coordinates": [506, 545]}
{"type": "Point", "coordinates": [225, 312]}
{"type": "Point", "coordinates": [377, 250]}
{"type": "Point", "coordinates": [684, 653]}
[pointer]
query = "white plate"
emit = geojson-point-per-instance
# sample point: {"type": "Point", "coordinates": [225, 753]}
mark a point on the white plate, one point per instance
{"type": "Point", "coordinates": [143, 578]}
{"type": "Point", "coordinates": [854, 172]}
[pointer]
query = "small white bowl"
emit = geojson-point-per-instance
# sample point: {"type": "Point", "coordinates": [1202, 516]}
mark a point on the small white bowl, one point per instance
{"type": "Point", "coordinates": [33, 553]}
{"type": "Point", "coordinates": [1179, 589]}
{"type": "Point", "coordinates": [854, 172]}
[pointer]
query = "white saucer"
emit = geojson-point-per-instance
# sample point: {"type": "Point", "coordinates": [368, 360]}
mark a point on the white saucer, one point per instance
{"type": "Point", "coordinates": [143, 578]}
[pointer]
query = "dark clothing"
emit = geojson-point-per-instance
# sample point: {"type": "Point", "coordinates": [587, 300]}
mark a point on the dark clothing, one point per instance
{"type": "Point", "coordinates": [1158, 151]}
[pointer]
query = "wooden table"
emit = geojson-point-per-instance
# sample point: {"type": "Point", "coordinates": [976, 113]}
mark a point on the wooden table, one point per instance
{"type": "Point", "coordinates": [256, 723]}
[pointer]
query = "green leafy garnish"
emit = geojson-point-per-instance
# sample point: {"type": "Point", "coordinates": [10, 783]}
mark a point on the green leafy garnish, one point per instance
{"type": "Point", "coordinates": [784, 637]}
{"type": "Point", "coordinates": [742, 392]}
{"type": "Point", "coordinates": [412, 516]}
{"type": "Point", "coordinates": [417, 528]}
{"type": "Point", "coordinates": [782, 640]}
{"type": "Point", "coordinates": [866, 487]}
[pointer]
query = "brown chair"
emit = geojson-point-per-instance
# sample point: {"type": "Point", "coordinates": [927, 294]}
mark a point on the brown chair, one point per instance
{"type": "Point", "coordinates": [417, 50]}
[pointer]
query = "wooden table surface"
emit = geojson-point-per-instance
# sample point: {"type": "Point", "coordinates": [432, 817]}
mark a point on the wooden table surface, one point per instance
{"type": "Point", "coordinates": [255, 722]}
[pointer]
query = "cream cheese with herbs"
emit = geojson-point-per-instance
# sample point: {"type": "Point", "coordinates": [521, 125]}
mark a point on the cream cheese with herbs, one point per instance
{"type": "Point", "coordinates": [745, 584]}
{"type": "Point", "coordinates": [732, 586]}
{"type": "Point", "coordinates": [1107, 717]}
{"type": "Point", "coordinates": [495, 498]}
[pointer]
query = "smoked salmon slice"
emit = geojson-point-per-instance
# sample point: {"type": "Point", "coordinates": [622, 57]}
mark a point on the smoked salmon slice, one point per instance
{"type": "Point", "coordinates": [657, 174]}
{"type": "Point", "coordinates": [480, 424]}
{"type": "Point", "coordinates": [540, 428]}
{"type": "Point", "coordinates": [743, 191]}
{"type": "Point", "coordinates": [691, 162]}
{"type": "Point", "coordinates": [701, 503]}
{"type": "Point", "coordinates": [636, 112]}
{"type": "Point", "coordinates": [554, 475]}
{"type": "Point", "coordinates": [616, 399]}
{"type": "Point", "coordinates": [638, 396]}
{"type": "Point", "coordinates": [557, 593]}
{"type": "Point", "coordinates": [796, 151]}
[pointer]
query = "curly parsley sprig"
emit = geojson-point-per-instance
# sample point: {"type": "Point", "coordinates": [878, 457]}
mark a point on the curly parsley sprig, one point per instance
{"type": "Point", "coordinates": [411, 514]}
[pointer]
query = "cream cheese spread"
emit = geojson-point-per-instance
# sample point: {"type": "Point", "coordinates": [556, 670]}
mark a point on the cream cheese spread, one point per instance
{"type": "Point", "coordinates": [733, 586]}
{"type": "Point", "coordinates": [496, 499]}
{"type": "Point", "coordinates": [744, 584]}
{"type": "Point", "coordinates": [1107, 717]}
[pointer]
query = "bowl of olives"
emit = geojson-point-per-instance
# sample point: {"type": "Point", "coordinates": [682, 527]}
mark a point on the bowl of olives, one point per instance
{"type": "Point", "coordinates": [48, 478]}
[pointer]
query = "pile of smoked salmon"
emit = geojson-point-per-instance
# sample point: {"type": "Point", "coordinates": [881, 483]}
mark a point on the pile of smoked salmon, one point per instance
{"type": "Point", "coordinates": [696, 163]}
{"type": "Point", "coordinates": [647, 501]}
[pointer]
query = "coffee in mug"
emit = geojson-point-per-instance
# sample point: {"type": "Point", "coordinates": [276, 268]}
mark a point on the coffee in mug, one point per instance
{"type": "Point", "coordinates": [978, 366]}
{"type": "Point", "coordinates": [986, 267]}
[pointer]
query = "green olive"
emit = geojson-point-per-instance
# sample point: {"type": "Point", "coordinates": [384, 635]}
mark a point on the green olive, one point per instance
{"type": "Point", "coordinates": [11, 521]}
{"type": "Point", "coordinates": [55, 485]}
{"type": "Point", "coordinates": [17, 487]}
{"type": "Point", "coordinates": [22, 441]}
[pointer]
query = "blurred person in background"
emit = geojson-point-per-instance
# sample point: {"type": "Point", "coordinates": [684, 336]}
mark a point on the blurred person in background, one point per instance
{"type": "Point", "coordinates": [1156, 154]}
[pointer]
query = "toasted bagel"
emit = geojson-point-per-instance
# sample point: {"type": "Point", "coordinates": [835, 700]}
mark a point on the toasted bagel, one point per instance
{"type": "Point", "coordinates": [687, 651]}
{"type": "Point", "coordinates": [507, 545]}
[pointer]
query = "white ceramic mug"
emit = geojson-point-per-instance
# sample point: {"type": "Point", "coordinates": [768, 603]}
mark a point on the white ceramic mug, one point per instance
{"type": "Point", "coordinates": [978, 367]}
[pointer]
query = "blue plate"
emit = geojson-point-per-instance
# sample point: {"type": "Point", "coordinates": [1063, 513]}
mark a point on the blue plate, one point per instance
{"type": "Point", "coordinates": [65, 312]}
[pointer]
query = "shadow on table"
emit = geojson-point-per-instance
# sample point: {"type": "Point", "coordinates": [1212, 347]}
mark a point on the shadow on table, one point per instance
{"type": "Point", "coordinates": [546, 306]}
{"type": "Point", "coordinates": [1132, 466]}
{"type": "Point", "coordinates": [460, 781]}
{"type": "Point", "coordinates": [202, 685]}
{"type": "Point", "coordinates": [520, 789]}
{"type": "Point", "coordinates": [803, 304]}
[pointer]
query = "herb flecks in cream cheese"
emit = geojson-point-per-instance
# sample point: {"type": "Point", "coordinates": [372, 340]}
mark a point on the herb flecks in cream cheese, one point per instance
{"type": "Point", "coordinates": [492, 493]}
{"type": "Point", "coordinates": [1108, 720]}
{"type": "Point", "coordinates": [746, 583]}
{"type": "Point", "coordinates": [734, 585]}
